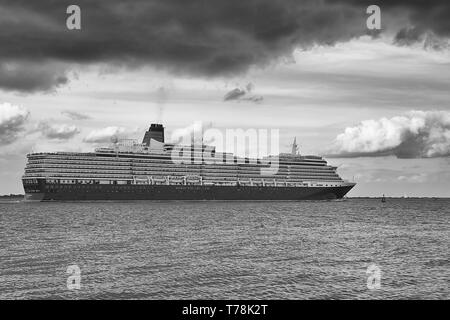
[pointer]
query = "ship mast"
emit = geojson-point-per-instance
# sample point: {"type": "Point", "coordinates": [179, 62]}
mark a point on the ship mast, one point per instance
{"type": "Point", "coordinates": [294, 147]}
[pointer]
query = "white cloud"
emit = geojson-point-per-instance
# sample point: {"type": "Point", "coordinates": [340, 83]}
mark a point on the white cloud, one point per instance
{"type": "Point", "coordinates": [12, 121]}
{"type": "Point", "coordinates": [416, 178]}
{"type": "Point", "coordinates": [416, 134]}
{"type": "Point", "coordinates": [58, 131]}
{"type": "Point", "coordinates": [104, 135]}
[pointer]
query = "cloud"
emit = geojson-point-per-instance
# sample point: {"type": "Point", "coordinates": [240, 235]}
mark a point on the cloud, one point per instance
{"type": "Point", "coordinates": [57, 131]}
{"type": "Point", "coordinates": [425, 15]}
{"type": "Point", "coordinates": [186, 134]}
{"type": "Point", "coordinates": [416, 134]}
{"type": "Point", "coordinates": [12, 122]}
{"type": "Point", "coordinates": [408, 36]}
{"type": "Point", "coordinates": [234, 94]}
{"type": "Point", "coordinates": [200, 38]}
{"type": "Point", "coordinates": [415, 178]}
{"type": "Point", "coordinates": [433, 42]}
{"type": "Point", "coordinates": [162, 95]}
{"type": "Point", "coordinates": [242, 94]}
{"type": "Point", "coordinates": [105, 135]}
{"type": "Point", "coordinates": [429, 40]}
{"type": "Point", "coordinates": [26, 76]}
{"type": "Point", "coordinates": [75, 115]}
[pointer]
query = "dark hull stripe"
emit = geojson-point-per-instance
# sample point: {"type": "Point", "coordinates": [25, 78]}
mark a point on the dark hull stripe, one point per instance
{"type": "Point", "coordinates": [182, 192]}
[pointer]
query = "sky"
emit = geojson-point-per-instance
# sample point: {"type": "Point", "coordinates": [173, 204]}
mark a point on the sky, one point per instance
{"type": "Point", "coordinates": [374, 103]}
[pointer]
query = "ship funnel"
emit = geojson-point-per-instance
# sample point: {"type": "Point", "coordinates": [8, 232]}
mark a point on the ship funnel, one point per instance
{"type": "Point", "coordinates": [155, 132]}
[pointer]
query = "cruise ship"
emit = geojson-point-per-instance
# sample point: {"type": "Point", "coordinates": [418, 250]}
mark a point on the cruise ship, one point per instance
{"type": "Point", "coordinates": [148, 171]}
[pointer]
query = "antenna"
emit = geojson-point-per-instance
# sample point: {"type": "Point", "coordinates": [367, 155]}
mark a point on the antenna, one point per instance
{"type": "Point", "coordinates": [294, 147]}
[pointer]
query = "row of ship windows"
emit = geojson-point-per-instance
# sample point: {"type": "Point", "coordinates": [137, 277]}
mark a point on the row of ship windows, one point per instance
{"type": "Point", "coordinates": [218, 174]}
{"type": "Point", "coordinates": [128, 187]}
{"type": "Point", "coordinates": [143, 157]}
{"type": "Point", "coordinates": [84, 163]}
{"type": "Point", "coordinates": [178, 170]}
{"type": "Point", "coordinates": [30, 181]}
{"type": "Point", "coordinates": [93, 181]}
{"type": "Point", "coordinates": [169, 160]}
{"type": "Point", "coordinates": [151, 173]}
{"type": "Point", "coordinates": [156, 156]}
{"type": "Point", "coordinates": [177, 167]}
{"type": "Point", "coordinates": [173, 172]}
{"type": "Point", "coordinates": [117, 189]}
{"type": "Point", "coordinates": [86, 181]}
{"type": "Point", "coordinates": [34, 168]}
{"type": "Point", "coordinates": [209, 176]}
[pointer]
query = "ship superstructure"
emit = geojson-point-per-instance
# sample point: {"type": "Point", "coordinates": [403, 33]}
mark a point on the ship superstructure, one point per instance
{"type": "Point", "coordinates": [148, 171]}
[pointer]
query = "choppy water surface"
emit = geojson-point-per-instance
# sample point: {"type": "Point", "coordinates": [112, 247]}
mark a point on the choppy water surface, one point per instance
{"type": "Point", "coordinates": [226, 250]}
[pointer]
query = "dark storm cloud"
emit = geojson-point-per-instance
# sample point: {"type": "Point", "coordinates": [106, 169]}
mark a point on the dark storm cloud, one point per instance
{"type": "Point", "coordinates": [429, 15]}
{"type": "Point", "coordinates": [27, 76]}
{"type": "Point", "coordinates": [408, 36]}
{"type": "Point", "coordinates": [196, 37]}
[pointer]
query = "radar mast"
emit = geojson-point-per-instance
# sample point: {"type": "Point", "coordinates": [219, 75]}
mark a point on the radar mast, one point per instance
{"type": "Point", "coordinates": [294, 147]}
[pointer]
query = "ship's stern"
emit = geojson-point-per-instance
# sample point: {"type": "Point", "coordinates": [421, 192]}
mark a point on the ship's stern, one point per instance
{"type": "Point", "coordinates": [34, 189]}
